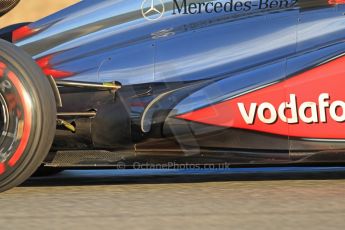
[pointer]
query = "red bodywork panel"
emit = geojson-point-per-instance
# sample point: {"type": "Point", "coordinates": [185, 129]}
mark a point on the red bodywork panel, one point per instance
{"type": "Point", "coordinates": [320, 117]}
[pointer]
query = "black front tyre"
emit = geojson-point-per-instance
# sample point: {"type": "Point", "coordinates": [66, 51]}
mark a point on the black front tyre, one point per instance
{"type": "Point", "coordinates": [27, 116]}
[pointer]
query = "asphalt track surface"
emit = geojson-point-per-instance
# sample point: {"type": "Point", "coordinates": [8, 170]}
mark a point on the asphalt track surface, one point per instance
{"type": "Point", "coordinates": [268, 198]}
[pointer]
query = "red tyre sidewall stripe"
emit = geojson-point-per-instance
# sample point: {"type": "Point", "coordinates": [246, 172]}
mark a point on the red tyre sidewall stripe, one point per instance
{"type": "Point", "coordinates": [27, 119]}
{"type": "Point", "coordinates": [2, 168]}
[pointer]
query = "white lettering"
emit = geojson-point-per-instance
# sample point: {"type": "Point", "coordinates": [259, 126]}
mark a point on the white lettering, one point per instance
{"type": "Point", "coordinates": [248, 118]}
{"type": "Point", "coordinates": [308, 112]}
{"type": "Point", "coordinates": [273, 113]}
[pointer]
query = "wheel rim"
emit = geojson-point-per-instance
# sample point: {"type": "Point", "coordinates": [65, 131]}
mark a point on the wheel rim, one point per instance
{"type": "Point", "coordinates": [4, 120]}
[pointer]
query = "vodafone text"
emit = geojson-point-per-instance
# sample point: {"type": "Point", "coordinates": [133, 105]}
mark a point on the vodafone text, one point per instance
{"type": "Point", "coordinates": [308, 112]}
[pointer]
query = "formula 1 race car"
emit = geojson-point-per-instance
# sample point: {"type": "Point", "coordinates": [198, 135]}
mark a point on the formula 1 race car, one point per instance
{"type": "Point", "coordinates": [173, 83]}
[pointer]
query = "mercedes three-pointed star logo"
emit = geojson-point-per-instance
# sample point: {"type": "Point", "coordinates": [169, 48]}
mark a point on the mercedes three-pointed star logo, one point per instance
{"type": "Point", "coordinates": [152, 9]}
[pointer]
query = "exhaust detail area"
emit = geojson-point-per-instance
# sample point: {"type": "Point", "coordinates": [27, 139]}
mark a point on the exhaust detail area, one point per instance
{"type": "Point", "coordinates": [92, 116]}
